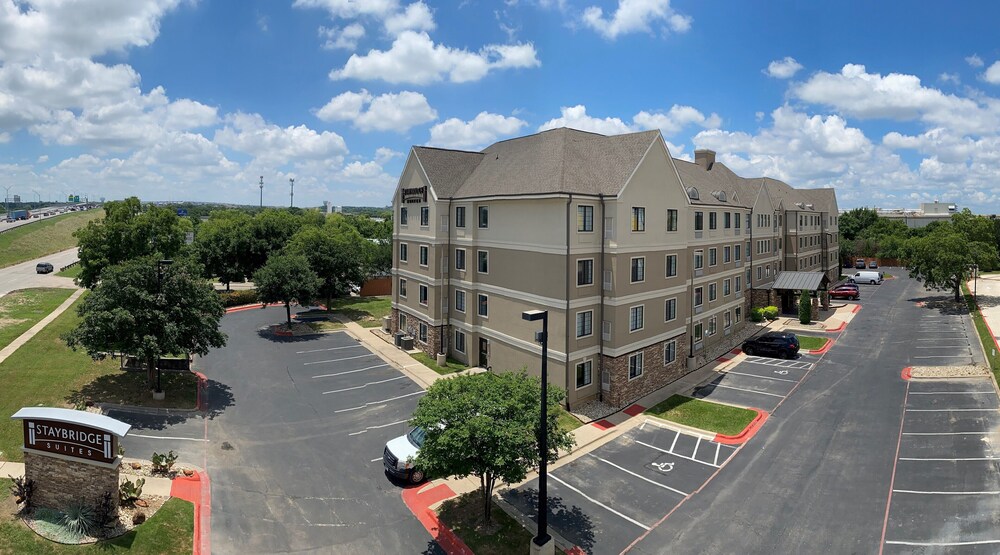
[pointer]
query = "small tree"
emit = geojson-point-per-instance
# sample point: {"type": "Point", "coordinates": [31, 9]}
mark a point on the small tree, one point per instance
{"type": "Point", "coordinates": [944, 258]}
{"type": "Point", "coordinates": [486, 425]}
{"type": "Point", "coordinates": [805, 307]}
{"type": "Point", "coordinates": [286, 278]}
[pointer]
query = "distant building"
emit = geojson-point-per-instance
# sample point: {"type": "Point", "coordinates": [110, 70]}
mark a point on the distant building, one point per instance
{"type": "Point", "coordinates": [326, 207]}
{"type": "Point", "coordinates": [920, 217]}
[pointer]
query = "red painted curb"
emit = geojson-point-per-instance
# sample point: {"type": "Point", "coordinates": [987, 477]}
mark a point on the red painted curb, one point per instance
{"type": "Point", "coordinates": [856, 308]}
{"type": "Point", "coordinates": [576, 550]}
{"type": "Point", "coordinates": [197, 490]}
{"type": "Point", "coordinates": [906, 373]}
{"type": "Point", "coordinates": [826, 347]}
{"type": "Point", "coordinates": [249, 307]}
{"type": "Point", "coordinates": [634, 410]}
{"type": "Point", "coordinates": [419, 504]}
{"type": "Point", "coordinates": [747, 432]}
{"type": "Point", "coordinates": [838, 328]}
{"type": "Point", "coordinates": [602, 424]}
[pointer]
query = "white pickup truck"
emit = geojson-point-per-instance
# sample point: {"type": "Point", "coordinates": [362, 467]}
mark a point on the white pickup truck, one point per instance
{"type": "Point", "coordinates": [399, 454]}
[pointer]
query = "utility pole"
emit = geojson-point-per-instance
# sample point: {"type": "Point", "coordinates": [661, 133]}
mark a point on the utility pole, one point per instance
{"type": "Point", "coordinates": [262, 191]}
{"type": "Point", "coordinates": [6, 200]}
{"type": "Point", "coordinates": [291, 192]}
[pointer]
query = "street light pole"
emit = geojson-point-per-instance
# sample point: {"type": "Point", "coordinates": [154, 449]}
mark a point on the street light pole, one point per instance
{"type": "Point", "coordinates": [262, 191]}
{"type": "Point", "coordinates": [291, 192]}
{"type": "Point", "coordinates": [542, 542]}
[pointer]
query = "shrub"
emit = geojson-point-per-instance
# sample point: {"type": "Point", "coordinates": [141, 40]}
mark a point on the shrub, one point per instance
{"type": "Point", "coordinates": [22, 490]}
{"type": "Point", "coordinates": [237, 298]}
{"type": "Point", "coordinates": [805, 307]}
{"type": "Point", "coordinates": [104, 512]}
{"type": "Point", "coordinates": [138, 518]}
{"type": "Point", "coordinates": [163, 462]}
{"type": "Point", "coordinates": [771, 312]}
{"type": "Point", "coordinates": [756, 314]}
{"type": "Point", "coordinates": [79, 520]}
{"type": "Point", "coordinates": [129, 492]}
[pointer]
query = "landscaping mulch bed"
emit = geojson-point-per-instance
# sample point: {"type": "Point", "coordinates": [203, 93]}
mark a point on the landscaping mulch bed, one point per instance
{"type": "Point", "coordinates": [44, 522]}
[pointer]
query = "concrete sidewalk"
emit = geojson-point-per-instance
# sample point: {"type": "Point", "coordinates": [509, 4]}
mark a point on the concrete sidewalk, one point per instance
{"type": "Point", "coordinates": [987, 295]}
{"type": "Point", "coordinates": [24, 337]}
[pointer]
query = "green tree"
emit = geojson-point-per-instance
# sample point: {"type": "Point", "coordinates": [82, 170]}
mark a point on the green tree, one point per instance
{"type": "Point", "coordinates": [805, 307]}
{"type": "Point", "coordinates": [269, 233]}
{"type": "Point", "coordinates": [974, 228]}
{"type": "Point", "coordinates": [853, 222]}
{"type": "Point", "coordinates": [486, 425]}
{"type": "Point", "coordinates": [286, 278]}
{"type": "Point", "coordinates": [943, 260]}
{"type": "Point", "coordinates": [336, 253]}
{"type": "Point", "coordinates": [128, 230]}
{"type": "Point", "coordinates": [135, 311]}
{"type": "Point", "coordinates": [222, 244]}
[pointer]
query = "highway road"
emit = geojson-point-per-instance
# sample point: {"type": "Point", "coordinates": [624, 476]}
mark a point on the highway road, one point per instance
{"type": "Point", "coordinates": [23, 275]}
{"type": "Point", "coordinates": [4, 226]}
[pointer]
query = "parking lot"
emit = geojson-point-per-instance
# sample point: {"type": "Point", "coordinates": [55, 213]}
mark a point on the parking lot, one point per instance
{"type": "Point", "coordinates": [603, 500]}
{"type": "Point", "coordinates": [756, 382]}
{"type": "Point", "coordinates": [946, 491]}
{"type": "Point", "coordinates": [941, 338]}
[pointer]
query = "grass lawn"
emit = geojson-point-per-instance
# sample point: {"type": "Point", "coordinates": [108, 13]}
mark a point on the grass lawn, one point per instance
{"type": "Point", "coordinates": [809, 343]}
{"type": "Point", "coordinates": [567, 421]}
{"type": "Point", "coordinates": [71, 272]}
{"type": "Point", "coordinates": [43, 237]}
{"type": "Point", "coordinates": [464, 516]}
{"type": "Point", "coordinates": [19, 310]}
{"type": "Point", "coordinates": [450, 367]}
{"type": "Point", "coordinates": [711, 417]}
{"type": "Point", "coordinates": [44, 371]}
{"type": "Point", "coordinates": [985, 337]}
{"type": "Point", "coordinates": [366, 311]}
{"type": "Point", "coordinates": [129, 388]}
{"type": "Point", "coordinates": [322, 326]}
{"type": "Point", "coordinates": [169, 531]}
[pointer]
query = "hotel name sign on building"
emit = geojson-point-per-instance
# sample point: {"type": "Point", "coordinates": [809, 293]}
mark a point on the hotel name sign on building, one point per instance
{"type": "Point", "coordinates": [414, 195]}
{"type": "Point", "coordinates": [74, 434]}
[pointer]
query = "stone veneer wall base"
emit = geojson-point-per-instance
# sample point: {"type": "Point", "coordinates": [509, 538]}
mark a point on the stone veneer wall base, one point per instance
{"type": "Point", "coordinates": [61, 482]}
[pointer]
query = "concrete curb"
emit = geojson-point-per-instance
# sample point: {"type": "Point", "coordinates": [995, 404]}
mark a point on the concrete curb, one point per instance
{"type": "Point", "coordinates": [747, 433]}
{"type": "Point", "coordinates": [826, 347]}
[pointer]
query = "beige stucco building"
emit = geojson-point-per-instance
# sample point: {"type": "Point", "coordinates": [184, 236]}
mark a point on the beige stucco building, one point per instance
{"type": "Point", "coordinates": [641, 260]}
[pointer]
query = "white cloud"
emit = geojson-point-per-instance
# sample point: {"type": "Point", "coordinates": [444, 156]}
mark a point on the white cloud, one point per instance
{"type": "Point", "coordinates": [414, 58]}
{"type": "Point", "coordinates": [974, 60]}
{"type": "Point", "coordinates": [350, 9]}
{"type": "Point", "coordinates": [416, 17]}
{"type": "Point", "coordinates": [482, 130]}
{"type": "Point", "coordinates": [669, 123]}
{"type": "Point", "coordinates": [992, 74]}
{"type": "Point", "coordinates": [385, 154]}
{"type": "Point", "coordinates": [387, 112]}
{"type": "Point", "coordinates": [676, 119]}
{"type": "Point", "coordinates": [635, 16]}
{"type": "Point", "coordinates": [855, 92]}
{"type": "Point", "coordinates": [949, 78]}
{"type": "Point", "coordinates": [345, 38]}
{"type": "Point", "coordinates": [249, 133]}
{"type": "Point", "coordinates": [576, 117]}
{"type": "Point", "coordinates": [785, 68]}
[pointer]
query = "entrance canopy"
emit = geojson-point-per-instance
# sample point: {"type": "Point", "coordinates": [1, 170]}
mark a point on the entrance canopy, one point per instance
{"type": "Point", "coordinates": [797, 281]}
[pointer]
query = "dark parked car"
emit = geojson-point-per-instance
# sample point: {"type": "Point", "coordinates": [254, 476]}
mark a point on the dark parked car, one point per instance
{"type": "Point", "coordinates": [859, 264]}
{"type": "Point", "coordinates": [44, 268]}
{"type": "Point", "coordinates": [781, 344]}
{"type": "Point", "coordinates": [845, 291]}
{"type": "Point", "coordinates": [873, 265]}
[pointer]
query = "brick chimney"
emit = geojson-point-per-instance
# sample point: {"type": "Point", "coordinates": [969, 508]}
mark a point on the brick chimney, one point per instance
{"type": "Point", "coordinates": [704, 158]}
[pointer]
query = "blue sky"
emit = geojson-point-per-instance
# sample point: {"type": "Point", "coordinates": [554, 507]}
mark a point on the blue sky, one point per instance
{"type": "Point", "coordinates": [891, 103]}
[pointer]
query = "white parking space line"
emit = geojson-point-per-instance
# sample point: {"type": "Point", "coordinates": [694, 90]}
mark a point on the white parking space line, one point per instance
{"type": "Point", "coordinates": [747, 390]}
{"type": "Point", "coordinates": [948, 460]}
{"type": "Point", "coordinates": [761, 377]}
{"type": "Point", "coordinates": [943, 544]}
{"type": "Point", "coordinates": [330, 349]}
{"type": "Point", "coordinates": [337, 359]}
{"type": "Point", "coordinates": [692, 434]}
{"type": "Point", "coordinates": [946, 492]}
{"type": "Point", "coordinates": [676, 454]}
{"type": "Point", "coordinates": [965, 345]}
{"type": "Point", "coordinates": [945, 433]}
{"type": "Point", "coordinates": [696, 446]}
{"type": "Point", "coordinates": [598, 503]}
{"type": "Point", "coordinates": [952, 410]}
{"type": "Point", "coordinates": [716, 460]}
{"type": "Point", "coordinates": [363, 386]}
{"type": "Point", "coordinates": [351, 371]}
{"type": "Point", "coordinates": [672, 445]}
{"type": "Point", "coordinates": [378, 459]}
{"type": "Point", "coordinates": [945, 356]}
{"type": "Point", "coordinates": [950, 392]}
{"type": "Point", "coordinates": [369, 428]}
{"type": "Point", "coordinates": [641, 477]}
{"type": "Point", "coordinates": [167, 437]}
{"type": "Point", "coordinates": [382, 402]}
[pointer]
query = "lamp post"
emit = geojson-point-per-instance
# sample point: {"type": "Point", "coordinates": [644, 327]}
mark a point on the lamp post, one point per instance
{"type": "Point", "coordinates": [542, 542]}
{"type": "Point", "coordinates": [160, 265]}
{"type": "Point", "coordinates": [262, 191]}
{"type": "Point", "coordinates": [291, 192]}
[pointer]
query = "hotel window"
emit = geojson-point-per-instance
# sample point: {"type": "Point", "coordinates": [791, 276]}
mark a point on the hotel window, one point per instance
{"type": "Point", "coordinates": [422, 332]}
{"type": "Point", "coordinates": [402, 287]}
{"type": "Point", "coordinates": [712, 323]}
{"type": "Point", "coordinates": [584, 373]}
{"type": "Point", "coordinates": [484, 217]}
{"type": "Point", "coordinates": [671, 219]}
{"type": "Point", "coordinates": [635, 366]}
{"type": "Point", "coordinates": [670, 310]}
{"type": "Point", "coordinates": [738, 252]}
{"type": "Point", "coordinates": [402, 216]}
{"type": "Point", "coordinates": [760, 271]}
{"type": "Point", "coordinates": [736, 219]}
{"type": "Point", "coordinates": [739, 313]}
{"type": "Point", "coordinates": [638, 269]}
{"type": "Point", "coordinates": [727, 220]}
{"type": "Point", "coordinates": [423, 255]}
{"type": "Point", "coordinates": [460, 259]}
{"type": "Point", "coordinates": [460, 217]}
{"type": "Point", "coordinates": [459, 341]}
{"type": "Point", "coordinates": [727, 254]}
{"type": "Point", "coordinates": [635, 318]}
{"type": "Point", "coordinates": [699, 260]}
{"type": "Point", "coordinates": [699, 221]}
{"type": "Point", "coordinates": [669, 352]}
{"type": "Point", "coordinates": [726, 287]}
{"type": "Point", "coordinates": [460, 300]}
{"type": "Point", "coordinates": [484, 261]}
{"type": "Point", "coordinates": [699, 331]}
{"type": "Point", "coordinates": [739, 284]}
{"type": "Point", "coordinates": [713, 222]}
{"type": "Point", "coordinates": [403, 255]}
{"type": "Point", "coordinates": [484, 306]}
{"type": "Point", "coordinates": [767, 270]}
{"type": "Point", "coordinates": [638, 218]}
{"type": "Point", "coordinates": [713, 291]}
{"type": "Point", "coordinates": [713, 256]}
{"type": "Point", "coordinates": [748, 277]}
{"type": "Point", "coordinates": [585, 271]}
{"type": "Point", "coordinates": [425, 216]}
{"type": "Point", "coordinates": [402, 321]}
{"type": "Point", "coordinates": [584, 324]}
{"type": "Point", "coordinates": [728, 321]}
{"type": "Point", "coordinates": [585, 218]}
{"type": "Point", "coordinates": [671, 265]}
{"type": "Point", "coordinates": [423, 295]}
{"type": "Point", "coordinates": [699, 296]}
{"type": "Point", "coordinates": [748, 250]}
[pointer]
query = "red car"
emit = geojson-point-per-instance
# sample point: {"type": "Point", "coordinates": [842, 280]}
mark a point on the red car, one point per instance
{"type": "Point", "coordinates": [846, 291]}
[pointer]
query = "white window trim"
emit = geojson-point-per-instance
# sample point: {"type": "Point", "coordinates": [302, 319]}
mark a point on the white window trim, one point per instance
{"type": "Point", "coordinates": [665, 345]}
{"type": "Point", "coordinates": [404, 247]}
{"type": "Point", "coordinates": [479, 220]}
{"type": "Point", "coordinates": [422, 328]}
{"type": "Point", "coordinates": [666, 266]}
{"type": "Point", "coordinates": [678, 221]}
{"type": "Point", "coordinates": [665, 301]}
{"type": "Point", "coordinates": [592, 266]}
{"type": "Point", "coordinates": [465, 215]}
{"type": "Point", "coordinates": [642, 366]}
{"type": "Point", "coordinates": [466, 341]}
{"type": "Point", "coordinates": [465, 259]}
{"type": "Point", "coordinates": [710, 257]}
{"type": "Point", "coordinates": [478, 271]}
{"type": "Point", "coordinates": [401, 288]}
{"type": "Point", "coordinates": [643, 323]}
{"type": "Point", "coordinates": [420, 214]}
{"type": "Point", "coordinates": [487, 315]}
{"type": "Point", "coordinates": [577, 321]}
{"type": "Point", "coordinates": [632, 216]}
{"type": "Point", "coordinates": [694, 296]}
{"type": "Point", "coordinates": [421, 288]}
{"type": "Point", "coordinates": [465, 300]}
{"type": "Point", "coordinates": [423, 248]}
{"type": "Point", "coordinates": [630, 262]}
{"type": "Point", "coordinates": [726, 314]}
{"type": "Point", "coordinates": [713, 287]}
{"type": "Point", "coordinates": [694, 260]}
{"type": "Point", "coordinates": [592, 213]}
{"type": "Point", "coordinates": [726, 291]}
{"type": "Point", "coordinates": [591, 382]}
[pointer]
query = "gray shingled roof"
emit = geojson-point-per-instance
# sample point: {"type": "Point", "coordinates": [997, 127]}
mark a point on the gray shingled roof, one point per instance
{"type": "Point", "coordinates": [447, 169]}
{"type": "Point", "coordinates": [797, 281]}
{"type": "Point", "coordinates": [717, 178]}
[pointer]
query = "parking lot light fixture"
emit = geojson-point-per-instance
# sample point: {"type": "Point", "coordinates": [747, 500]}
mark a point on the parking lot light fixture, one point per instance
{"type": "Point", "coordinates": [542, 542]}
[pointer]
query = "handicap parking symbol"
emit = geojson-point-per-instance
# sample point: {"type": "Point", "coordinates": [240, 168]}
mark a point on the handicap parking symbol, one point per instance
{"type": "Point", "coordinates": [664, 467]}
{"type": "Point", "coordinates": [781, 372]}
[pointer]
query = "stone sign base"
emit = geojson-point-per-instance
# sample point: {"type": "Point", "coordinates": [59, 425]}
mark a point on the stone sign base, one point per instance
{"type": "Point", "coordinates": [61, 482]}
